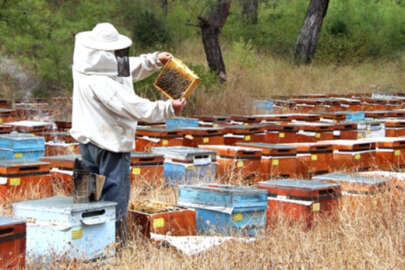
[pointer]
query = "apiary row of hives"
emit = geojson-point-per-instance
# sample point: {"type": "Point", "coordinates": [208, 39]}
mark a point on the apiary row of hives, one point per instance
{"type": "Point", "coordinates": [234, 173]}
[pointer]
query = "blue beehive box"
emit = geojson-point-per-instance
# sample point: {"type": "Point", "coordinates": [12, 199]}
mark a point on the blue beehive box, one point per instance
{"type": "Point", "coordinates": [355, 116]}
{"type": "Point", "coordinates": [225, 209]}
{"type": "Point", "coordinates": [21, 146]}
{"type": "Point", "coordinates": [58, 227]}
{"type": "Point", "coordinates": [181, 122]}
{"type": "Point", "coordinates": [263, 106]}
{"type": "Point", "coordinates": [187, 165]}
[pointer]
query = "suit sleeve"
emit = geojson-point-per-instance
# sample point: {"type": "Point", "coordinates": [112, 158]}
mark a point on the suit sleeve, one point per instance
{"type": "Point", "coordinates": [144, 65]}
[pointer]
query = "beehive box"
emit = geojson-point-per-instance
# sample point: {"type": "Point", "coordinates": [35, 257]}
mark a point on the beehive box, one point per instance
{"type": "Point", "coordinates": [345, 131]}
{"type": "Point", "coordinates": [236, 163]}
{"type": "Point", "coordinates": [202, 135]}
{"type": "Point", "coordinates": [62, 171]}
{"type": "Point", "coordinates": [353, 155]}
{"type": "Point", "coordinates": [213, 120]}
{"type": "Point", "coordinates": [176, 80]}
{"type": "Point", "coordinates": [281, 134]}
{"type": "Point", "coordinates": [7, 115]}
{"type": "Point", "coordinates": [12, 243]}
{"type": "Point", "coordinates": [396, 179]}
{"type": "Point", "coordinates": [225, 209]}
{"type": "Point", "coordinates": [356, 189]}
{"type": "Point", "coordinates": [27, 126]}
{"type": "Point", "coordinates": [187, 164]}
{"type": "Point", "coordinates": [147, 137]}
{"type": "Point", "coordinates": [313, 132]}
{"type": "Point", "coordinates": [300, 200]}
{"type": "Point", "coordinates": [21, 146]}
{"type": "Point", "coordinates": [313, 158]}
{"type": "Point", "coordinates": [161, 218]}
{"type": "Point", "coordinates": [58, 227]}
{"type": "Point", "coordinates": [395, 127]}
{"type": "Point", "coordinates": [277, 160]}
{"type": "Point", "coordinates": [181, 122]}
{"type": "Point", "coordinates": [370, 129]}
{"type": "Point", "coordinates": [61, 148]}
{"type": "Point", "coordinates": [146, 169]}
{"type": "Point", "coordinates": [57, 136]}
{"type": "Point", "coordinates": [244, 133]}
{"type": "Point", "coordinates": [390, 152]}
{"type": "Point", "coordinates": [21, 180]}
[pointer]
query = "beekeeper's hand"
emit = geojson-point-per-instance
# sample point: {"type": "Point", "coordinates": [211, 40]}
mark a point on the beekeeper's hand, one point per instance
{"type": "Point", "coordinates": [178, 104]}
{"type": "Point", "coordinates": [164, 57]}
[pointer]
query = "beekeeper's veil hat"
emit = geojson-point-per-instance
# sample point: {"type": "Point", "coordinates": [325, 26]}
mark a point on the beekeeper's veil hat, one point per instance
{"type": "Point", "coordinates": [104, 36]}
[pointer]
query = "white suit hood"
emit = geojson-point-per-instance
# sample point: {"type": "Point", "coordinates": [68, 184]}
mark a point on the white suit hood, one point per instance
{"type": "Point", "coordinates": [105, 106]}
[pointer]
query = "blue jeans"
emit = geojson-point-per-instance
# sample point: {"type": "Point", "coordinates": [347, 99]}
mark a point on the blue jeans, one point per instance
{"type": "Point", "coordinates": [115, 167]}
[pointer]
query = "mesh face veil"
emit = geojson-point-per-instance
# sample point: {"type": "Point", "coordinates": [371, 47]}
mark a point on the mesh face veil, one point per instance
{"type": "Point", "coordinates": [122, 57]}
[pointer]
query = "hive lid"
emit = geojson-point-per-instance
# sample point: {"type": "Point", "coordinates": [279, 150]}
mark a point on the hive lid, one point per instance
{"type": "Point", "coordinates": [182, 152]}
{"type": "Point", "coordinates": [19, 162]}
{"type": "Point", "coordinates": [10, 221]}
{"type": "Point", "coordinates": [62, 158]}
{"type": "Point", "coordinates": [350, 178]}
{"type": "Point", "coordinates": [145, 155]}
{"type": "Point", "coordinates": [58, 204]}
{"type": "Point", "coordinates": [27, 123]}
{"type": "Point", "coordinates": [296, 183]}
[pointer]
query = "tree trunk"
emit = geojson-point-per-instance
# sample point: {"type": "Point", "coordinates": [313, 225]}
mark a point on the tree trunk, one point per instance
{"type": "Point", "coordinates": [163, 4]}
{"type": "Point", "coordinates": [250, 10]}
{"type": "Point", "coordinates": [210, 29]}
{"type": "Point", "coordinates": [309, 35]}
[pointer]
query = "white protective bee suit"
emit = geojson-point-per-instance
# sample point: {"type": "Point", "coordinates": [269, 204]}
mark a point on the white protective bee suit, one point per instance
{"type": "Point", "coordinates": [106, 108]}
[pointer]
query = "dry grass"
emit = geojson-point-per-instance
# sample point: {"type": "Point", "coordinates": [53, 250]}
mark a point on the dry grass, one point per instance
{"type": "Point", "coordinates": [260, 76]}
{"type": "Point", "coordinates": [369, 236]}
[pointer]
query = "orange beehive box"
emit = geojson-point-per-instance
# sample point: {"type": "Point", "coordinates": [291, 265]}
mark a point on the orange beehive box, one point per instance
{"type": "Point", "coordinates": [146, 169]}
{"type": "Point", "coordinates": [61, 148]}
{"type": "Point", "coordinates": [236, 162]}
{"type": "Point", "coordinates": [356, 189]}
{"type": "Point", "coordinates": [277, 160]}
{"type": "Point", "coordinates": [300, 200]}
{"type": "Point", "coordinates": [202, 135]}
{"type": "Point", "coordinates": [146, 138]}
{"type": "Point", "coordinates": [161, 218]}
{"type": "Point", "coordinates": [306, 117]}
{"type": "Point", "coordinates": [244, 119]}
{"type": "Point", "coordinates": [396, 179]}
{"type": "Point", "coordinates": [281, 134]}
{"type": "Point", "coordinates": [333, 117]}
{"type": "Point", "coordinates": [313, 132]}
{"type": "Point", "coordinates": [313, 158]}
{"type": "Point", "coordinates": [12, 243]}
{"type": "Point", "coordinates": [22, 179]}
{"type": "Point", "coordinates": [390, 152]}
{"type": "Point", "coordinates": [29, 126]}
{"type": "Point", "coordinates": [353, 155]}
{"type": "Point", "coordinates": [243, 133]}
{"type": "Point", "coordinates": [345, 131]}
{"type": "Point", "coordinates": [395, 127]}
{"type": "Point", "coordinates": [5, 103]}
{"type": "Point", "coordinates": [5, 129]}
{"type": "Point", "coordinates": [63, 125]}
{"type": "Point", "coordinates": [62, 171]}
{"type": "Point", "coordinates": [57, 136]}
{"type": "Point", "coordinates": [7, 115]}
{"type": "Point", "coordinates": [349, 104]}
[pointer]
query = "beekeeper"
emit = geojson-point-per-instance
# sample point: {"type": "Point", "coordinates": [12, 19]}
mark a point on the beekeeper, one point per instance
{"type": "Point", "coordinates": [106, 108]}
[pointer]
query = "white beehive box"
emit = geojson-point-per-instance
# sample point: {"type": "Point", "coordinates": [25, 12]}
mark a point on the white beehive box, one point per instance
{"type": "Point", "coordinates": [58, 227]}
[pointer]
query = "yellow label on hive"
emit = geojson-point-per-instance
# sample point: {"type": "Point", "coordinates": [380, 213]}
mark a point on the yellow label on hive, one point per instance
{"type": "Point", "coordinates": [357, 156]}
{"type": "Point", "coordinates": [247, 138]}
{"type": "Point", "coordinates": [374, 201]}
{"type": "Point", "coordinates": [368, 131]}
{"type": "Point", "coordinates": [190, 168]}
{"type": "Point", "coordinates": [1, 120]}
{"type": "Point", "coordinates": [206, 140]}
{"type": "Point", "coordinates": [314, 157]}
{"type": "Point", "coordinates": [165, 142]}
{"type": "Point", "coordinates": [246, 124]}
{"type": "Point", "coordinates": [72, 148]}
{"type": "Point", "coordinates": [360, 137]}
{"type": "Point", "coordinates": [239, 164]}
{"type": "Point", "coordinates": [316, 207]}
{"type": "Point", "coordinates": [275, 162]}
{"type": "Point", "coordinates": [237, 217]}
{"type": "Point", "coordinates": [136, 171]}
{"type": "Point", "coordinates": [158, 223]}
{"type": "Point", "coordinates": [215, 125]}
{"type": "Point", "coordinates": [77, 233]}
{"type": "Point", "coordinates": [281, 135]}
{"type": "Point", "coordinates": [18, 155]}
{"type": "Point", "coordinates": [318, 135]}
{"type": "Point", "coordinates": [16, 181]}
{"type": "Point", "coordinates": [397, 153]}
